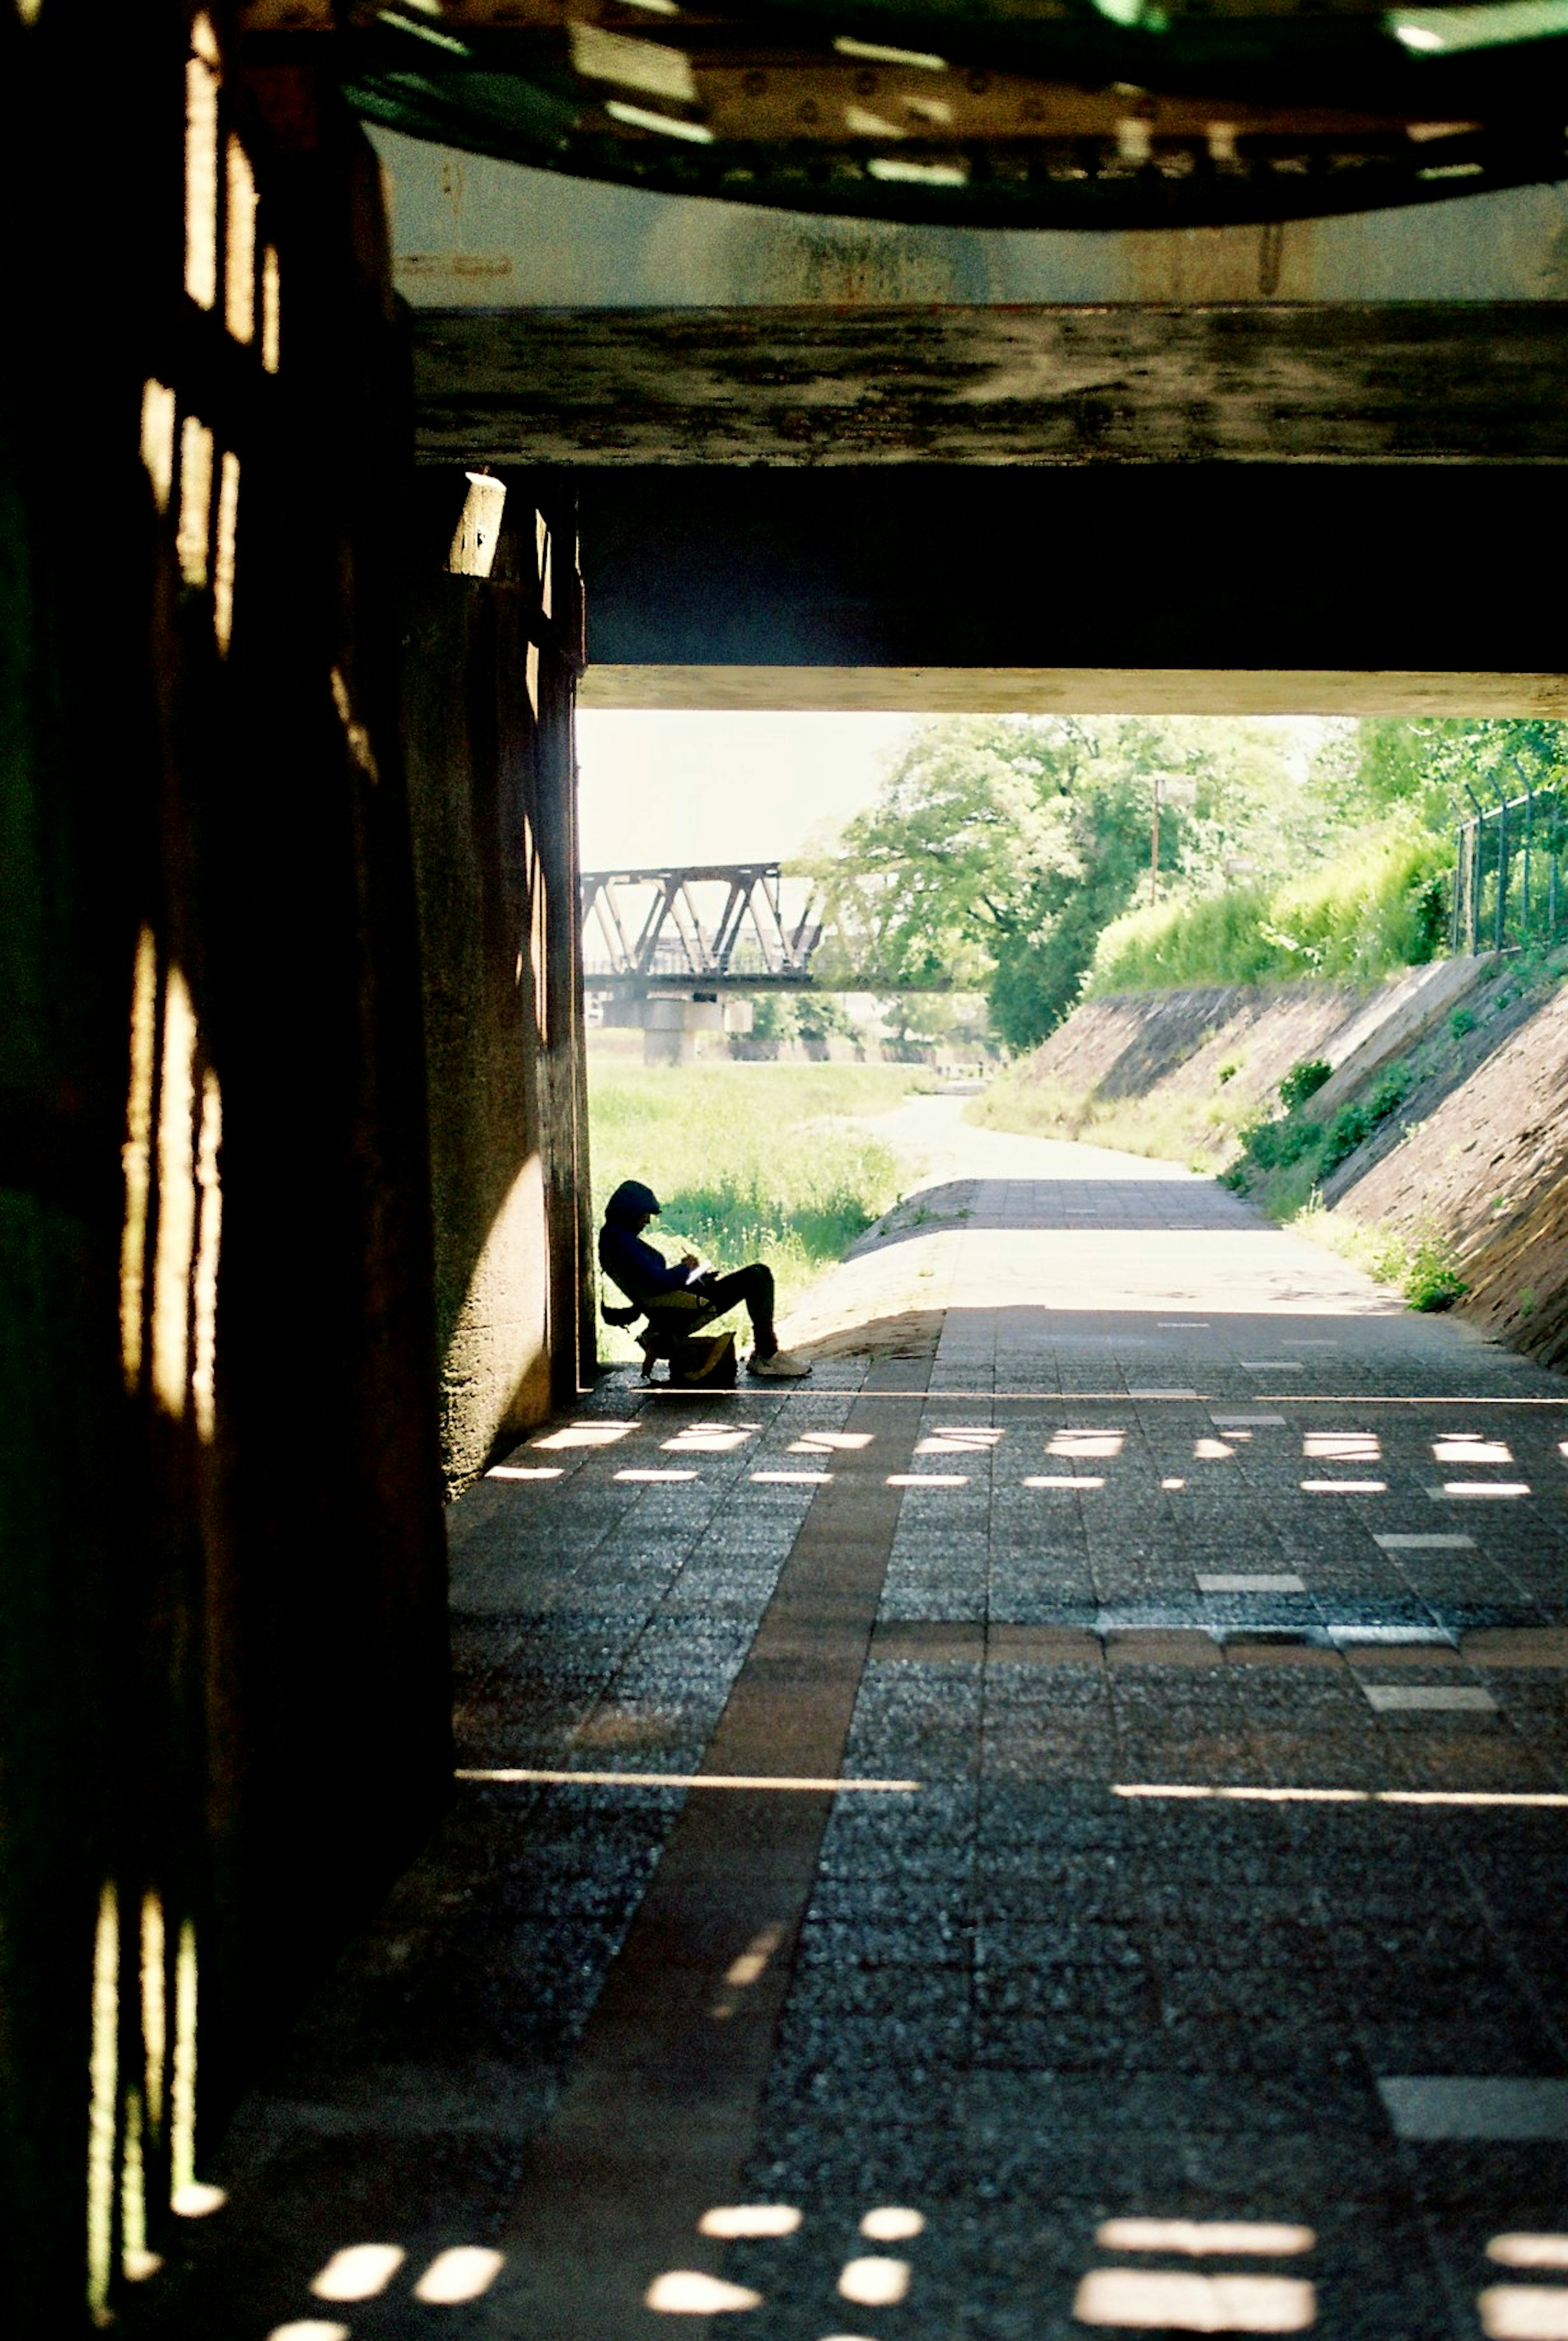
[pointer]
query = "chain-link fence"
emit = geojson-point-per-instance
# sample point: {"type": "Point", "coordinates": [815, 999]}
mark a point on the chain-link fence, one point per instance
{"type": "Point", "coordinates": [1509, 879]}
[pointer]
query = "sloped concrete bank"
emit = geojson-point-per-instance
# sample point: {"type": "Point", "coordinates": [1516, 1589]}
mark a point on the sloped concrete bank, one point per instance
{"type": "Point", "coordinates": [1181, 1074]}
{"type": "Point", "coordinates": [1473, 1158]}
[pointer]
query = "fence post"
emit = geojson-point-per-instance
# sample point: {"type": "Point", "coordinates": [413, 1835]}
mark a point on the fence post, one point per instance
{"type": "Point", "coordinates": [1500, 924]}
{"type": "Point", "coordinates": [1474, 871]}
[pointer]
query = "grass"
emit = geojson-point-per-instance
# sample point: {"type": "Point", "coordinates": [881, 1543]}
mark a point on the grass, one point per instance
{"type": "Point", "coordinates": [1420, 1262]}
{"type": "Point", "coordinates": [1374, 908]}
{"type": "Point", "coordinates": [1178, 1129]}
{"type": "Point", "coordinates": [749, 1161]}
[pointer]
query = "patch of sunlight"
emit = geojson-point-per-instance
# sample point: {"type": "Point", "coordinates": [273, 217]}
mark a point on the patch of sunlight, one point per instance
{"type": "Point", "coordinates": [958, 1442]}
{"type": "Point", "coordinates": [927, 1480]}
{"type": "Point", "coordinates": [1211, 1450]}
{"type": "Point", "coordinates": [729, 2220]}
{"type": "Point", "coordinates": [689, 2292]}
{"type": "Point", "coordinates": [1345, 1487]}
{"type": "Point", "coordinates": [892, 2225]}
{"type": "Point", "coordinates": [1062, 1480]}
{"type": "Point", "coordinates": [1343, 1446]}
{"type": "Point", "coordinates": [530, 1776]}
{"type": "Point", "coordinates": [1086, 1442]}
{"type": "Point", "coordinates": [1462, 1447]}
{"type": "Point", "coordinates": [831, 1442]}
{"type": "Point", "coordinates": [1525, 2312]}
{"type": "Point", "coordinates": [585, 1434]}
{"type": "Point", "coordinates": [874, 2282]}
{"type": "Point", "coordinates": [1525, 1799]}
{"type": "Point", "coordinates": [1151, 2300]}
{"type": "Point", "coordinates": [1198, 2237]}
{"type": "Point", "coordinates": [706, 1439]}
{"type": "Point", "coordinates": [1528, 2251]}
{"type": "Point", "coordinates": [462, 2273]}
{"type": "Point", "coordinates": [358, 2272]}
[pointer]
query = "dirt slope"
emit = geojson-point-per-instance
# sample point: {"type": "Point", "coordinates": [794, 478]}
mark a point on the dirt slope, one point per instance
{"type": "Point", "coordinates": [1480, 1154]}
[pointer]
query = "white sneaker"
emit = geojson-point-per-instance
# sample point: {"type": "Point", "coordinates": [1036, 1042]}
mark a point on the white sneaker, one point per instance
{"type": "Point", "coordinates": [781, 1367]}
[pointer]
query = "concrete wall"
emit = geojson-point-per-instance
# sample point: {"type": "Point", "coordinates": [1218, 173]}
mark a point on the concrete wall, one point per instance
{"type": "Point", "coordinates": [224, 1703]}
{"type": "Point", "coordinates": [490, 672]}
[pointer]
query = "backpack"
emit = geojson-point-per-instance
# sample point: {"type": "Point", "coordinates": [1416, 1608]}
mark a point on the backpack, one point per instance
{"type": "Point", "coordinates": [706, 1362]}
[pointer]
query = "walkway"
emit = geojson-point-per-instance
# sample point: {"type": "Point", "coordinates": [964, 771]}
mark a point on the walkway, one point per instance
{"type": "Point", "coordinates": [1121, 1884]}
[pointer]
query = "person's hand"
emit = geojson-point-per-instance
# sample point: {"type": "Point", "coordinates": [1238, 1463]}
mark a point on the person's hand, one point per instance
{"type": "Point", "coordinates": [690, 1260]}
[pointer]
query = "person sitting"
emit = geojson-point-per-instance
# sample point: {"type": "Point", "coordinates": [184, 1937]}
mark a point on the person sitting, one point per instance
{"type": "Point", "coordinates": [680, 1300]}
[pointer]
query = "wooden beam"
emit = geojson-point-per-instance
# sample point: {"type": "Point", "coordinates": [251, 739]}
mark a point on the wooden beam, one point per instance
{"type": "Point", "coordinates": [1412, 383]}
{"type": "Point", "coordinates": [1067, 691]}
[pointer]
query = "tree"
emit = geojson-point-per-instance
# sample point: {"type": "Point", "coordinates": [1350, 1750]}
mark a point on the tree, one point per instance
{"type": "Point", "coordinates": [1001, 845]}
{"type": "Point", "coordinates": [1423, 767]}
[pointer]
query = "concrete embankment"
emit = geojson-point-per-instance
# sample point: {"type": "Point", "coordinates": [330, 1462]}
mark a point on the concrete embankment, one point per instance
{"type": "Point", "coordinates": [1471, 1158]}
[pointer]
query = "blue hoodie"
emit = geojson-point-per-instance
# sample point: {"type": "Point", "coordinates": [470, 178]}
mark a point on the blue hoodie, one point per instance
{"type": "Point", "coordinates": [631, 1265]}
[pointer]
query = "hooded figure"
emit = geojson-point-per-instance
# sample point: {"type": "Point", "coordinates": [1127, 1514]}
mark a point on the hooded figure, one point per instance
{"type": "Point", "coordinates": [631, 1265]}
{"type": "Point", "coordinates": [690, 1291]}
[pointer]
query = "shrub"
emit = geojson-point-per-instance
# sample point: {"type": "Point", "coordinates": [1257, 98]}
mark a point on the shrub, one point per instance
{"type": "Point", "coordinates": [1303, 1081]}
{"type": "Point", "coordinates": [1227, 1071]}
{"type": "Point", "coordinates": [1377, 906]}
{"type": "Point", "coordinates": [1351, 1126]}
{"type": "Point", "coordinates": [1462, 1021]}
{"type": "Point", "coordinates": [1273, 1144]}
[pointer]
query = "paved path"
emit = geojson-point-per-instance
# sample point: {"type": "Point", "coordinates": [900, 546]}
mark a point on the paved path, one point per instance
{"type": "Point", "coordinates": [1121, 1884]}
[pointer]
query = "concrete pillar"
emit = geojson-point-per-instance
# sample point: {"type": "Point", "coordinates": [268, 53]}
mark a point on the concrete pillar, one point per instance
{"type": "Point", "coordinates": [490, 678]}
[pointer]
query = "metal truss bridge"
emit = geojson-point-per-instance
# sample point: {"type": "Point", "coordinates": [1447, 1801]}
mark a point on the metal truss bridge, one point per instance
{"type": "Point", "coordinates": [723, 926]}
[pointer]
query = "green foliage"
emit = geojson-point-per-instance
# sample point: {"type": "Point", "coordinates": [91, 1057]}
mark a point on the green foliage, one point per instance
{"type": "Point", "coordinates": [1375, 907]}
{"type": "Point", "coordinates": [748, 1160]}
{"type": "Point", "coordinates": [1227, 1071]}
{"type": "Point", "coordinates": [1424, 767]}
{"type": "Point", "coordinates": [774, 1017]}
{"type": "Point", "coordinates": [1420, 1261]}
{"type": "Point", "coordinates": [1460, 1022]}
{"type": "Point", "coordinates": [1001, 847]}
{"type": "Point", "coordinates": [1304, 1080]}
{"type": "Point", "coordinates": [820, 1015]}
{"type": "Point", "coordinates": [1270, 1146]}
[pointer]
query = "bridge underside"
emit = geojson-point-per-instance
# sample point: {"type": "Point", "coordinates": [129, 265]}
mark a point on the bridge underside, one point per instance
{"type": "Point", "coordinates": [1218, 588]}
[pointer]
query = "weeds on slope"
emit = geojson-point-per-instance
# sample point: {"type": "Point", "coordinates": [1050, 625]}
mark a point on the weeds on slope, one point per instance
{"type": "Point", "coordinates": [1420, 1262]}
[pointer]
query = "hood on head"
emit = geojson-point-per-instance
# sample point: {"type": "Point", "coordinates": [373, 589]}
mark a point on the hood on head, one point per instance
{"type": "Point", "coordinates": [632, 1200]}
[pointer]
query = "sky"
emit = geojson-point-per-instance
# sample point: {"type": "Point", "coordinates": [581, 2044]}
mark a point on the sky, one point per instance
{"type": "Point", "coordinates": [663, 788]}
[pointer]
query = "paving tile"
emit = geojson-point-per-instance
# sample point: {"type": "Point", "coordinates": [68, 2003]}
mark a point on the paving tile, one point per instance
{"type": "Point", "coordinates": [1010, 1997]}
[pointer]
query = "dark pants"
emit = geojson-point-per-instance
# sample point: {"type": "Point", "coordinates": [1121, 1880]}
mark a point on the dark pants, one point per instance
{"type": "Point", "coordinates": [754, 1285]}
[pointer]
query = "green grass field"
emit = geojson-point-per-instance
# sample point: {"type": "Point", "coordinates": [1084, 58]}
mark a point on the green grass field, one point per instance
{"type": "Point", "coordinates": [749, 1161]}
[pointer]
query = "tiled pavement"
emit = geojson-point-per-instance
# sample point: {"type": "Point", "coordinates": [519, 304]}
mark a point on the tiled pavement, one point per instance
{"type": "Point", "coordinates": [1190, 1954]}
